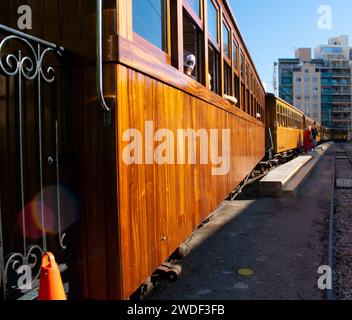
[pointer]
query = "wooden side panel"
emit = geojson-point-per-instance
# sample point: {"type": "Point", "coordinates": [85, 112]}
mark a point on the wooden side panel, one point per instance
{"type": "Point", "coordinates": [160, 205]}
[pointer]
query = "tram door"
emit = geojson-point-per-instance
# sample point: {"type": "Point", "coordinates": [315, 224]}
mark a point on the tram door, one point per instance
{"type": "Point", "coordinates": [38, 208]}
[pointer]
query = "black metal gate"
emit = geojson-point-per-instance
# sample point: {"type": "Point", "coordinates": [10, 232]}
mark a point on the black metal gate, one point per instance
{"type": "Point", "coordinates": [37, 210]}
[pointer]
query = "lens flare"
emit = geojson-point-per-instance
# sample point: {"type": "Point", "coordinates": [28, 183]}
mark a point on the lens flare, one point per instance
{"type": "Point", "coordinates": [55, 214]}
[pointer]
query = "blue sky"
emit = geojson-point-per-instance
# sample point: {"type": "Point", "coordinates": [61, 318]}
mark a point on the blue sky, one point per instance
{"type": "Point", "coordinates": [273, 28]}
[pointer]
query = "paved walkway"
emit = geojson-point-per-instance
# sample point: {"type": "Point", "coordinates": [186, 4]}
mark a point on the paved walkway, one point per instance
{"type": "Point", "coordinates": [283, 241]}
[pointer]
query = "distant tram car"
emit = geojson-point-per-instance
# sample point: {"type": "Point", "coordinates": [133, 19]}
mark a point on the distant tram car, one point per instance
{"type": "Point", "coordinates": [285, 125]}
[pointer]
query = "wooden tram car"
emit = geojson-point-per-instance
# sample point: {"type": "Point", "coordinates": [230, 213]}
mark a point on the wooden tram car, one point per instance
{"type": "Point", "coordinates": [285, 125]}
{"type": "Point", "coordinates": [132, 216]}
{"type": "Point", "coordinates": [118, 79]}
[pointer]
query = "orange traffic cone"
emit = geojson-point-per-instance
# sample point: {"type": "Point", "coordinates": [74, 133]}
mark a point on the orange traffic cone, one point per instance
{"type": "Point", "coordinates": [50, 285]}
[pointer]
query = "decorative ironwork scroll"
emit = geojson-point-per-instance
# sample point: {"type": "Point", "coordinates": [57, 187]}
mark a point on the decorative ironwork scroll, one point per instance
{"type": "Point", "coordinates": [26, 63]}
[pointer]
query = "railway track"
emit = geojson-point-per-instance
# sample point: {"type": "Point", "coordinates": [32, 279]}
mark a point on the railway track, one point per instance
{"type": "Point", "coordinates": [340, 229]}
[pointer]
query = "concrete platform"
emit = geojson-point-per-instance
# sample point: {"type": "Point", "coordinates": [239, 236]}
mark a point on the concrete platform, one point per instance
{"type": "Point", "coordinates": [279, 182]}
{"type": "Point", "coordinates": [287, 180]}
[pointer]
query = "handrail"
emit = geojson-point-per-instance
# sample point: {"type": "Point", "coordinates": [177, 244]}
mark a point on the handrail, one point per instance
{"type": "Point", "coordinates": [30, 38]}
{"type": "Point", "coordinates": [99, 63]}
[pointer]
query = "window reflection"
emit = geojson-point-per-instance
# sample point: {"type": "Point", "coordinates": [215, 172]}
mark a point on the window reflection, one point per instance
{"type": "Point", "coordinates": [149, 21]}
{"type": "Point", "coordinates": [226, 40]}
{"type": "Point", "coordinates": [195, 4]}
{"type": "Point", "coordinates": [234, 52]}
{"type": "Point", "coordinates": [213, 21]}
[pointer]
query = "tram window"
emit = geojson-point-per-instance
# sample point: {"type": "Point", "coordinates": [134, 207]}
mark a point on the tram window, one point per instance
{"type": "Point", "coordinates": [237, 90]}
{"type": "Point", "coordinates": [248, 107]}
{"type": "Point", "coordinates": [247, 75]}
{"type": "Point", "coordinates": [192, 41]}
{"type": "Point", "coordinates": [255, 111]}
{"type": "Point", "coordinates": [234, 53]}
{"type": "Point", "coordinates": [252, 105]}
{"type": "Point", "coordinates": [243, 97]}
{"type": "Point", "coordinates": [227, 79]}
{"type": "Point", "coordinates": [286, 118]}
{"type": "Point", "coordinates": [226, 40]}
{"type": "Point", "coordinates": [214, 70]}
{"type": "Point", "coordinates": [213, 18]}
{"type": "Point", "coordinates": [195, 4]}
{"type": "Point", "coordinates": [242, 67]}
{"type": "Point", "coordinates": [255, 108]}
{"type": "Point", "coordinates": [289, 119]}
{"type": "Point", "coordinates": [150, 22]}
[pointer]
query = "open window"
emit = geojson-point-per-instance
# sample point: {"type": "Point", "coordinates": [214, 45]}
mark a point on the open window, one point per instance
{"type": "Point", "coordinates": [214, 68]}
{"type": "Point", "coordinates": [237, 89]}
{"type": "Point", "coordinates": [227, 79]}
{"type": "Point", "coordinates": [213, 48]}
{"type": "Point", "coordinates": [226, 42]}
{"type": "Point", "coordinates": [193, 46]}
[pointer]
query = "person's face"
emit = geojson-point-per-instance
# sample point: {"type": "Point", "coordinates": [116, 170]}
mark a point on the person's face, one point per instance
{"type": "Point", "coordinates": [188, 71]}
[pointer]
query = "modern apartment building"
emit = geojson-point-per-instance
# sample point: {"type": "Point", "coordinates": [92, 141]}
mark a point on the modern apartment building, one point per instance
{"type": "Point", "coordinates": [320, 87]}
{"type": "Point", "coordinates": [335, 67]}
{"type": "Point", "coordinates": [300, 83]}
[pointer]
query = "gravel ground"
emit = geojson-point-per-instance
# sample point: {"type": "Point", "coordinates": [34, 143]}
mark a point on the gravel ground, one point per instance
{"type": "Point", "coordinates": [343, 232]}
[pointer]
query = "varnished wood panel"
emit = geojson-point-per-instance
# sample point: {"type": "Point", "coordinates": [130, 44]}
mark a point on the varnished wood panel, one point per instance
{"type": "Point", "coordinates": [160, 205]}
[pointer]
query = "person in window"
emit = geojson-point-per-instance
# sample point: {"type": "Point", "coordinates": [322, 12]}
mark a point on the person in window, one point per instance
{"type": "Point", "coordinates": [189, 64]}
{"type": "Point", "coordinates": [210, 80]}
